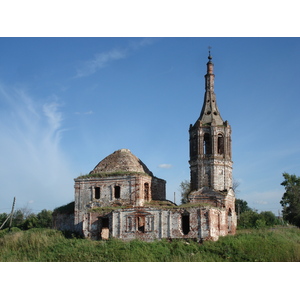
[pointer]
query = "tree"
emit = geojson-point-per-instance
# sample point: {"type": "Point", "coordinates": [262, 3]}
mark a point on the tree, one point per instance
{"type": "Point", "coordinates": [253, 219]}
{"type": "Point", "coordinates": [18, 218]}
{"type": "Point", "coordinates": [241, 206]}
{"type": "Point", "coordinates": [291, 199]}
{"type": "Point", "coordinates": [3, 217]}
{"type": "Point", "coordinates": [248, 219]}
{"type": "Point", "coordinates": [24, 219]}
{"type": "Point", "coordinates": [185, 188]}
{"type": "Point", "coordinates": [235, 185]}
{"type": "Point", "coordinates": [44, 219]}
{"type": "Point", "coordinates": [30, 222]}
{"type": "Point", "coordinates": [269, 218]}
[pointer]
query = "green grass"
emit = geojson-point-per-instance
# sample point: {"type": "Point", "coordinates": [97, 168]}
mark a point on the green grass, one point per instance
{"type": "Point", "coordinates": [47, 245]}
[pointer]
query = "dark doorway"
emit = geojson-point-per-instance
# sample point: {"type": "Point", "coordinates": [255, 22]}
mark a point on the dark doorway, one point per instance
{"type": "Point", "coordinates": [185, 223]}
{"type": "Point", "coordinates": [141, 223]}
{"type": "Point", "coordinates": [105, 222]}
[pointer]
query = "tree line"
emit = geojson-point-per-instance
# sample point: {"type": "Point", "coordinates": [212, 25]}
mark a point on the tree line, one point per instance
{"type": "Point", "coordinates": [24, 219]}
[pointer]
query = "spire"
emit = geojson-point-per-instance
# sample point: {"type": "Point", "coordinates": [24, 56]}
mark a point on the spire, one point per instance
{"type": "Point", "coordinates": [210, 112]}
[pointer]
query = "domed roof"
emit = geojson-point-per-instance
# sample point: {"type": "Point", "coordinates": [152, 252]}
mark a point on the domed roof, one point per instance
{"type": "Point", "coordinates": [121, 161]}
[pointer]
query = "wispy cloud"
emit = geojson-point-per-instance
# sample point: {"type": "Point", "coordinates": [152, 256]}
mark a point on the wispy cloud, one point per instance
{"type": "Point", "coordinates": [103, 59]}
{"type": "Point", "coordinates": [33, 165]}
{"type": "Point", "coordinates": [165, 166]}
{"type": "Point", "coordinates": [90, 112]}
{"type": "Point", "coordinates": [100, 61]}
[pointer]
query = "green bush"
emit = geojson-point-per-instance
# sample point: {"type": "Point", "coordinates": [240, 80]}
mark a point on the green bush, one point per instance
{"type": "Point", "coordinates": [252, 219]}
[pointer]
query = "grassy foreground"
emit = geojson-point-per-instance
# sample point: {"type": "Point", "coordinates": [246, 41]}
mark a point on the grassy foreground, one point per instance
{"type": "Point", "coordinates": [47, 245]}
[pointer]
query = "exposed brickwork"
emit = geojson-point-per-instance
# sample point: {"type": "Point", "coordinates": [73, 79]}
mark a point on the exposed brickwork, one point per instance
{"type": "Point", "coordinates": [203, 223]}
{"type": "Point", "coordinates": [119, 198]}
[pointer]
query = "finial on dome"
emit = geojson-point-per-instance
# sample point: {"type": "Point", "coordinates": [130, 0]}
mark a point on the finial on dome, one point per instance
{"type": "Point", "coordinates": [209, 55]}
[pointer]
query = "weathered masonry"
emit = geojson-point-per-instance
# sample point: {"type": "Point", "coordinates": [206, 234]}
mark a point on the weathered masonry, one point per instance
{"type": "Point", "coordinates": [121, 197]}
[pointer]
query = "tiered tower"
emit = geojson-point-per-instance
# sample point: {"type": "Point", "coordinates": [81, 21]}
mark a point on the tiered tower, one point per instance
{"type": "Point", "coordinates": [210, 144]}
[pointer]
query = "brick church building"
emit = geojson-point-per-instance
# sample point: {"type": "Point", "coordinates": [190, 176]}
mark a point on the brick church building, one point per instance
{"type": "Point", "coordinates": [121, 197]}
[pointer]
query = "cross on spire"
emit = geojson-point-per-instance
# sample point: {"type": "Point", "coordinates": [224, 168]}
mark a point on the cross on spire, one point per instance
{"type": "Point", "coordinates": [209, 55]}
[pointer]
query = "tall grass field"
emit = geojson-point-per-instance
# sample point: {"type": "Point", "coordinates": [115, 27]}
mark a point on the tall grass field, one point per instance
{"type": "Point", "coordinates": [47, 245]}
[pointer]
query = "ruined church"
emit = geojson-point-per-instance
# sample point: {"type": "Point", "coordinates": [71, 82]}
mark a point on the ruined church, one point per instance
{"type": "Point", "coordinates": [121, 198]}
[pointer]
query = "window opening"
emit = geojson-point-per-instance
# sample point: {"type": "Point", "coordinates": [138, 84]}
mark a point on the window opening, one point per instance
{"type": "Point", "coordinates": [185, 223]}
{"type": "Point", "coordinates": [220, 144]}
{"type": "Point", "coordinates": [229, 220]}
{"type": "Point", "coordinates": [117, 192]}
{"type": "Point", "coordinates": [97, 192]}
{"type": "Point", "coordinates": [146, 191]}
{"type": "Point", "coordinates": [206, 144]}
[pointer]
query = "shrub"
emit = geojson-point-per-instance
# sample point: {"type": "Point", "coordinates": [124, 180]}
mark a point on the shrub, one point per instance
{"type": "Point", "coordinates": [252, 219]}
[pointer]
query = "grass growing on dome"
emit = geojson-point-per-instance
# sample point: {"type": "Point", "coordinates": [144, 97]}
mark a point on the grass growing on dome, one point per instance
{"type": "Point", "coordinates": [111, 174]}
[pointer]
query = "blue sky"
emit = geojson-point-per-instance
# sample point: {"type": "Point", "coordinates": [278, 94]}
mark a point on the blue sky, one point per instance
{"type": "Point", "coordinates": [67, 103]}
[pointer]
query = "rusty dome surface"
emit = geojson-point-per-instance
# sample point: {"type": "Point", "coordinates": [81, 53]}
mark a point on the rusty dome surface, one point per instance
{"type": "Point", "coordinates": [121, 161]}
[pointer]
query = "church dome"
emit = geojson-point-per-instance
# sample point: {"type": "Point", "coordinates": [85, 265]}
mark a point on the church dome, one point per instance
{"type": "Point", "coordinates": [121, 161]}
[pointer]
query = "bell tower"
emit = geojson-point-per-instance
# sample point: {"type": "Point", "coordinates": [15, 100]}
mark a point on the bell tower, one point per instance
{"type": "Point", "coordinates": [210, 143]}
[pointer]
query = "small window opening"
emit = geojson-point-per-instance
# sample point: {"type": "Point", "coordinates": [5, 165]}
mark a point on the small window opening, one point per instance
{"type": "Point", "coordinates": [185, 224]}
{"type": "Point", "coordinates": [229, 221]}
{"type": "Point", "coordinates": [146, 191]}
{"type": "Point", "coordinates": [220, 144]}
{"type": "Point", "coordinates": [97, 192]}
{"type": "Point", "coordinates": [141, 223]}
{"type": "Point", "coordinates": [117, 192]}
{"type": "Point", "coordinates": [206, 144]}
{"type": "Point", "coordinates": [105, 222]}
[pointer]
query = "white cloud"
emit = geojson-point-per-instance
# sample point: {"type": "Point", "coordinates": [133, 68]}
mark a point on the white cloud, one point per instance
{"type": "Point", "coordinates": [165, 166]}
{"type": "Point", "coordinates": [33, 165]}
{"type": "Point", "coordinates": [102, 59]}
{"type": "Point", "coordinates": [90, 112]}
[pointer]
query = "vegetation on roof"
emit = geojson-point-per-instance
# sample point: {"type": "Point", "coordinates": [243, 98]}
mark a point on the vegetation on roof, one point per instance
{"type": "Point", "coordinates": [65, 209]}
{"type": "Point", "coordinates": [111, 174]}
{"type": "Point", "coordinates": [197, 204]}
{"type": "Point", "coordinates": [160, 203]}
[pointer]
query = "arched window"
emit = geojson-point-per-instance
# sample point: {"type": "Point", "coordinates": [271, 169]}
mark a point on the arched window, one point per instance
{"type": "Point", "coordinates": [117, 192]}
{"type": "Point", "coordinates": [206, 144]}
{"type": "Point", "coordinates": [220, 144]}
